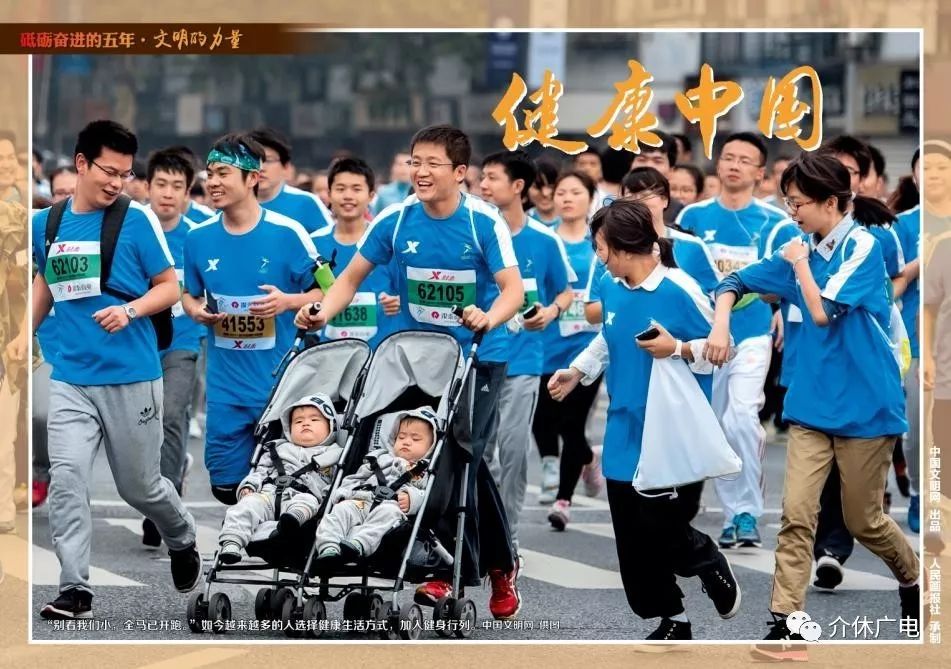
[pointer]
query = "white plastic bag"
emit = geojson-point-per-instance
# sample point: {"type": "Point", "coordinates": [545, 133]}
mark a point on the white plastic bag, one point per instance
{"type": "Point", "coordinates": [900, 343]}
{"type": "Point", "coordinates": [683, 442]}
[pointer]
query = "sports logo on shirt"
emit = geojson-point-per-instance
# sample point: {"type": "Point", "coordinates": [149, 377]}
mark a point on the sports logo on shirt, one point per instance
{"type": "Point", "coordinates": [709, 235]}
{"type": "Point", "coordinates": [466, 251]}
{"type": "Point", "coordinates": [212, 264]}
{"type": "Point", "coordinates": [411, 247]}
{"type": "Point", "coordinates": [264, 263]}
{"type": "Point", "coordinates": [609, 318]}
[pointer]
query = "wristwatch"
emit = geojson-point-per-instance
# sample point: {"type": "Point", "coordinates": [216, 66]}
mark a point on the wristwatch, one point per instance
{"type": "Point", "coordinates": [129, 311]}
{"type": "Point", "coordinates": [678, 350]}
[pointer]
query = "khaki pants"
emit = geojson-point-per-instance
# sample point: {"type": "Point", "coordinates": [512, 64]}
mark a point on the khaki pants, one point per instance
{"type": "Point", "coordinates": [863, 466]}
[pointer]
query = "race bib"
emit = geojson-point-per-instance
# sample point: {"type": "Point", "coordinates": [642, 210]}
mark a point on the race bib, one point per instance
{"type": "Point", "coordinates": [730, 259]}
{"type": "Point", "coordinates": [434, 292]}
{"type": "Point", "coordinates": [572, 321]}
{"type": "Point", "coordinates": [531, 293]}
{"type": "Point", "coordinates": [795, 314]}
{"type": "Point", "coordinates": [241, 331]}
{"type": "Point", "coordinates": [177, 308]}
{"type": "Point", "coordinates": [357, 321]}
{"type": "Point", "coordinates": [73, 270]}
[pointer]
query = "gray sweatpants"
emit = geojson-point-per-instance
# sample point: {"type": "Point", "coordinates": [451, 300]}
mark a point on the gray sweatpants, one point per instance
{"type": "Point", "coordinates": [353, 519]}
{"type": "Point", "coordinates": [179, 372]}
{"type": "Point", "coordinates": [242, 519]}
{"type": "Point", "coordinates": [912, 443]}
{"type": "Point", "coordinates": [127, 420]}
{"type": "Point", "coordinates": [510, 442]}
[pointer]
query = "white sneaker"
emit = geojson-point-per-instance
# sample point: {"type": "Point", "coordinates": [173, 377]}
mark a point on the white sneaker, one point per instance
{"type": "Point", "coordinates": [550, 479]}
{"type": "Point", "coordinates": [591, 474]}
{"type": "Point", "coordinates": [194, 429]}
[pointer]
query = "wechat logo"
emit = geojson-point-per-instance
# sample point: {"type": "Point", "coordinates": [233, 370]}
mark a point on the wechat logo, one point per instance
{"type": "Point", "coordinates": [799, 622]}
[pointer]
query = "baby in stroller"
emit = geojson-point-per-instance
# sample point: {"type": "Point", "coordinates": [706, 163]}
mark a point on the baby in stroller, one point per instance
{"type": "Point", "coordinates": [292, 476]}
{"type": "Point", "coordinates": [388, 488]}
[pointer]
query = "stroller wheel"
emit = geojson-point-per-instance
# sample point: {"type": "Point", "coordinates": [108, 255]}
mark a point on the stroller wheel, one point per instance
{"type": "Point", "coordinates": [262, 604]}
{"type": "Point", "coordinates": [291, 615]}
{"type": "Point", "coordinates": [219, 612]}
{"type": "Point", "coordinates": [411, 623]}
{"type": "Point", "coordinates": [197, 611]}
{"type": "Point", "coordinates": [314, 613]}
{"type": "Point", "coordinates": [442, 614]}
{"type": "Point", "coordinates": [356, 607]}
{"type": "Point", "coordinates": [464, 612]}
{"type": "Point", "coordinates": [376, 608]}
{"type": "Point", "coordinates": [277, 602]}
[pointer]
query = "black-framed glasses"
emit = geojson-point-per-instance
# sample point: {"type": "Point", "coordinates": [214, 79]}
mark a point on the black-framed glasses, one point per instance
{"type": "Point", "coordinates": [794, 206]}
{"type": "Point", "coordinates": [113, 174]}
{"type": "Point", "coordinates": [431, 165]}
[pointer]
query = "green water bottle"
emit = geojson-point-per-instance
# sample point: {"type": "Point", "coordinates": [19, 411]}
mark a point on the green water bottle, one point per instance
{"type": "Point", "coordinates": [323, 274]}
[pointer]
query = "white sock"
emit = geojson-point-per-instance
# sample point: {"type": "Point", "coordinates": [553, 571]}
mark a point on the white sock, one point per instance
{"type": "Point", "coordinates": [680, 617]}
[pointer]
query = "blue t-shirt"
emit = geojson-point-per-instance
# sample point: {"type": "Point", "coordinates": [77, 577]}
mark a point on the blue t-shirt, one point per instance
{"type": "Point", "coordinates": [690, 254]}
{"type": "Point", "coordinates": [445, 262]}
{"type": "Point", "coordinates": [186, 333]}
{"type": "Point", "coordinates": [546, 272]}
{"type": "Point", "coordinates": [669, 297]}
{"type": "Point", "coordinates": [88, 355]}
{"type": "Point", "coordinates": [845, 380]}
{"type": "Point", "coordinates": [908, 229]}
{"type": "Point", "coordinates": [301, 206]}
{"type": "Point", "coordinates": [774, 236]}
{"type": "Point", "coordinates": [567, 336]}
{"type": "Point", "coordinates": [198, 213]}
{"type": "Point", "coordinates": [892, 251]}
{"type": "Point", "coordinates": [364, 318]}
{"type": "Point", "coordinates": [734, 238]}
{"type": "Point", "coordinates": [533, 212]}
{"type": "Point", "coordinates": [244, 350]}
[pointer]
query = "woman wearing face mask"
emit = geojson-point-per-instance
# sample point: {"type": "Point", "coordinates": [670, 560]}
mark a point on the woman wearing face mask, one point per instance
{"type": "Point", "coordinates": [644, 289]}
{"type": "Point", "coordinates": [563, 340]}
{"type": "Point", "coordinates": [649, 187]}
{"type": "Point", "coordinates": [845, 400]}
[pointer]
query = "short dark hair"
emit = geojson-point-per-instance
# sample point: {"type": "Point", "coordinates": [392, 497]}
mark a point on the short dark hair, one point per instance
{"type": "Point", "coordinates": [683, 139]}
{"type": "Point", "coordinates": [646, 179]}
{"type": "Point", "coordinates": [851, 146]}
{"type": "Point", "coordinates": [197, 189]}
{"type": "Point", "coordinates": [587, 149]}
{"type": "Point", "coordinates": [173, 161]}
{"type": "Point", "coordinates": [270, 138]}
{"type": "Point", "coordinates": [668, 146]}
{"type": "Point", "coordinates": [615, 164]}
{"type": "Point", "coordinates": [229, 144]}
{"type": "Point", "coordinates": [139, 169]}
{"type": "Point", "coordinates": [749, 138]}
{"type": "Point", "coordinates": [695, 172]}
{"type": "Point", "coordinates": [67, 169]}
{"type": "Point", "coordinates": [37, 155]}
{"type": "Point", "coordinates": [878, 160]}
{"type": "Point", "coordinates": [105, 134]}
{"type": "Point", "coordinates": [453, 140]}
{"type": "Point", "coordinates": [517, 165]}
{"type": "Point", "coordinates": [546, 173]}
{"type": "Point", "coordinates": [583, 177]}
{"type": "Point", "coordinates": [351, 166]}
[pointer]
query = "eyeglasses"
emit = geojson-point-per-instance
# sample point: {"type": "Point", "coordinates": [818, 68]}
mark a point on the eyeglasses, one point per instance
{"type": "Point", "coordinates": [430, 165]}
{"type": "Point", "coordinates": [742, 160]}
{"type": "Point", "coordinates": [113, 174]}
{"type": "Point", "coordinates": [794, 206]}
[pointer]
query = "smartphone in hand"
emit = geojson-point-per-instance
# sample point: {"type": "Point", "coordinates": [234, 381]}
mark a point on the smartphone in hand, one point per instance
{"type": "Point", "coordinates": [211, 304]}
{"type": "Point", "coordinates": [650, 333]}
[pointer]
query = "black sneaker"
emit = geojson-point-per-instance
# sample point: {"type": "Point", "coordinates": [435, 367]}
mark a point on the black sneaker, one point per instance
{"type": "Point", "coordinates": [779, 632]}
{"type": "Point", "coordinates": [350, 550]}
{"type": "Point", "coordinates": [721, 587]}
{"type": "Point", "coordinates": [828, 573]}
{"type": "Point", "coordinates": [72, 603]}
{"type": "Point", "coordinates": [671, 630]}
{"type": "Point", "coordinates": [288, 524]}
{"type": "Point", "coordinates": [187, 568]}
{"type": "Point", "coordinates": [150, 534]}
{"type": "Point", "coordinates": [911, 605]}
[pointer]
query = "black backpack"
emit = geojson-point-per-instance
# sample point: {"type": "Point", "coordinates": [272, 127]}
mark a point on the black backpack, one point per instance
{"type": "Point", "coordinates": [112, 219]}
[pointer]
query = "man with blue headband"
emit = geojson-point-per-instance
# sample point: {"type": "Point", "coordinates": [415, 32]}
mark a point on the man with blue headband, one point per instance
{"type": "Point", "coordinates": [247, 271]}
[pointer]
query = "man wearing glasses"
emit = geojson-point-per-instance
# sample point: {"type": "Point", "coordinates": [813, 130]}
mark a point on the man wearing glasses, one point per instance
{"type": "Point", "coordinates": [106, 387]}
{"type": "Point", "coordinates": [736, 228]}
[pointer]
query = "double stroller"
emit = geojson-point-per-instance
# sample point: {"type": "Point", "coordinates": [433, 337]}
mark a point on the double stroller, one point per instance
{"type": "Point", "coordinates": [408, 370]}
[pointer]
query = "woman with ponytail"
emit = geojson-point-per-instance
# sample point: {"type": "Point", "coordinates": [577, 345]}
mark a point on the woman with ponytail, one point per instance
{"type": "Point", "coordinates": [845, 401]}
{"type": "Point", "coordinates": [644, 291]}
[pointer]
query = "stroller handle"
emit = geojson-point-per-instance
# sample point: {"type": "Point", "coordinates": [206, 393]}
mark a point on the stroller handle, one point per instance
{"type": "Point", "coordinates": [457, 311]}
{"type": "Point", "coordinates": [301, 332]}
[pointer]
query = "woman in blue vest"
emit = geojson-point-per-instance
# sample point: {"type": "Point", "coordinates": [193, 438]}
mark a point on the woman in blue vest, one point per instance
{"type": "Point", "coordinates": [644, 287]}
{"type": "Point", "coordinates": [845, 400]}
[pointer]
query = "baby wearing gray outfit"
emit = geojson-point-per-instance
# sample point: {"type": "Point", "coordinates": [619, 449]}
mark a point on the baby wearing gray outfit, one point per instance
{"type": "Point", "coordinates": [310, 431]}
{"type": "Point", "coordinates": [354, 527]}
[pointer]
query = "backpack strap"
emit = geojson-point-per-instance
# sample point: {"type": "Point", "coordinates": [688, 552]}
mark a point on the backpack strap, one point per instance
{"type": "Point", "coordinates": [53, 221]}
{"type": "Point", "coordinates": [112, 219]}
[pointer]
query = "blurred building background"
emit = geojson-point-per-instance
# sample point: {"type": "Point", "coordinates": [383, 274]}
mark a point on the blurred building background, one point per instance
{"type": "Point", "coordinates": [368, 93]}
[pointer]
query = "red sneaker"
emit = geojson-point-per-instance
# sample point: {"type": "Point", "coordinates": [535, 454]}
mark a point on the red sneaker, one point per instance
{"type": "Point", "coordinates": [40, 490]}
{"type": "Point", "coordinates": [429, 593]}
{"type": "Point", "coordinates": [505, 602]}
